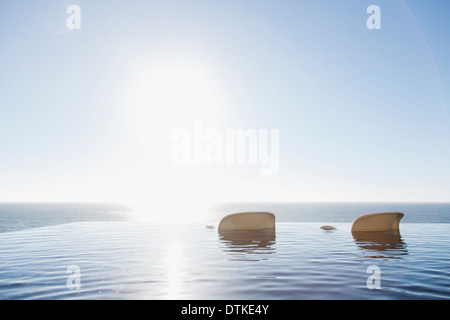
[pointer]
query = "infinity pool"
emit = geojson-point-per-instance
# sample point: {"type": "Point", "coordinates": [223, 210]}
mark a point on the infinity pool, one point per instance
{"type": "Point", "coordinates": [130, 260]}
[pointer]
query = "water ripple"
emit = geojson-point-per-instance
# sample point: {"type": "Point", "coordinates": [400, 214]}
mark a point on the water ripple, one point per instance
{"type": "Point", "coordinates": [125, 260]}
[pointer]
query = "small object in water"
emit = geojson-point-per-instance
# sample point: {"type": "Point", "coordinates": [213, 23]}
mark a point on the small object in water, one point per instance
{"type": "Point", "coordinates": [327, 227]}
{"type": "Point", "coordinates": [208, 226]}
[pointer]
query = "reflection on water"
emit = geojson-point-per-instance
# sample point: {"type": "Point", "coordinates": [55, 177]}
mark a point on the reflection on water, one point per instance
{"type": "Point", "coordinates": [123, 260]}
{"type": "Point", "coordinates": [381, 244]}
{"type": "Point", "coordinates": [248, 245]}
{"type": "Point", "coordinates": [173, 261]}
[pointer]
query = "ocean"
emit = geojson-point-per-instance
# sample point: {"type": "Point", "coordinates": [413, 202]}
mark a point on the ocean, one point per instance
{"type": "Point", "coordinates": [102, 251]}
{"type": "Point", "coordinates": [22, 216]}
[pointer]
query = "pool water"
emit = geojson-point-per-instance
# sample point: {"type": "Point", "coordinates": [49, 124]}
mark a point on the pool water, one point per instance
{"type": "Point", "coordinates": [135, 260]}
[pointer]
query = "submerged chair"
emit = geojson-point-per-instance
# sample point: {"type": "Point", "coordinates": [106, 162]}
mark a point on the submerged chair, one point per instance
{"type": "Point", "coordinates": [247, 221]}
{"type": "Point", "coordinates": [383, 221]}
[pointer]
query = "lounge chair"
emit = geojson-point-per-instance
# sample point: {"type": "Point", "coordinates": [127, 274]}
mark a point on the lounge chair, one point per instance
{"type": "Point", "coordinates": [247, 221]}
{"type": "Point", "coordinates": [382, 221]}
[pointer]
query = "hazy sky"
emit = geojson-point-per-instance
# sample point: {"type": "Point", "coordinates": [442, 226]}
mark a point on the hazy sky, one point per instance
{"type": "Point", "coordinates": [88, 114]}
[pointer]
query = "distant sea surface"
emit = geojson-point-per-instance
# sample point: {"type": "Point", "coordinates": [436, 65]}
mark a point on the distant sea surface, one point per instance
{"type": "Point", "coordinates": [342, 212]}
{"type": "Point", "coordinates": [21, 216]}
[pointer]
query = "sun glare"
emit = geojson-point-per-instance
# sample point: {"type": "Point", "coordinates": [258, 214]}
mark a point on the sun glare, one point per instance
{"type": "Point", "coordinates": [173, 94]}
{"type": "Point", "coordinates": [161, 98]}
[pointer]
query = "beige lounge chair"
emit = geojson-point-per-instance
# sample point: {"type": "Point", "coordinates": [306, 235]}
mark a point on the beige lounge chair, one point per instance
{"type": "Point", "coordinates": [382, 221]}
{"type": "Point", "coordinates": [247, 221]}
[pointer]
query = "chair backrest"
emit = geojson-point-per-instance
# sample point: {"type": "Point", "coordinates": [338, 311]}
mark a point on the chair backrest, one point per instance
{"type": "Point", "coordinates": [382, 221]}
{"type": "Point", "coordinates": [247, 221]}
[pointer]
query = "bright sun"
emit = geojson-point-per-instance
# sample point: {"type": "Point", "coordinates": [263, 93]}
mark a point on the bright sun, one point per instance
{"type": "Point", "coordinates": [161, 98]}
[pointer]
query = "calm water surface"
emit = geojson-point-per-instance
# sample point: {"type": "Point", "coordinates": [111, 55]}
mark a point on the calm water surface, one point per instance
{"type": "Point", "coordinates": [129, 260]}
